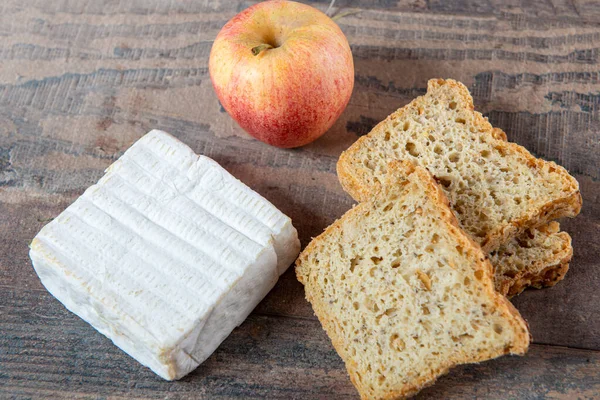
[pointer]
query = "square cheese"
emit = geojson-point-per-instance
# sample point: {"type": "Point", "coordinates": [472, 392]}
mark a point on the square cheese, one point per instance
{"type": "Point", "coordinates": [165, 255]}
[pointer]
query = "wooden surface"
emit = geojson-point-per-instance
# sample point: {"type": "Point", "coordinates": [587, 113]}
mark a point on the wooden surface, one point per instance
{"type": "Point", "coordinates": [81, 80]}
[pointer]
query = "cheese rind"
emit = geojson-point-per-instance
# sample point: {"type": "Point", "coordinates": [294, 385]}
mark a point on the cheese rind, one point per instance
{"type": "Point", "coordinates": [165, 255]}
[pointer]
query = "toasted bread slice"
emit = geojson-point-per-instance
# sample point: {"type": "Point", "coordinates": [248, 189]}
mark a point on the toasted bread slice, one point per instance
{"type": "Point", "coordinates": [404, 293]}
{"type": "Point", "coordinates": [498, 189]}
{"type": "Point", "coordinates": [538, 258]}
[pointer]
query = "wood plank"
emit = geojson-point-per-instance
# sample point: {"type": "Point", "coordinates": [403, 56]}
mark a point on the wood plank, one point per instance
{"type": "Point", "coordinates": [577, 10]}
{"type": "Point", "coordinates": [266, 357]}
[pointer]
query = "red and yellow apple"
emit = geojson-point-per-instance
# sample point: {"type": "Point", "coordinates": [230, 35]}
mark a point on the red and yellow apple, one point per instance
{"type": "Point", "coordinates": [283, 70]}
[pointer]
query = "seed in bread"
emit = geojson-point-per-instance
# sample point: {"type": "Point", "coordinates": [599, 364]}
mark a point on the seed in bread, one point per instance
{"type": "Point", "coordinates": [405, 294]}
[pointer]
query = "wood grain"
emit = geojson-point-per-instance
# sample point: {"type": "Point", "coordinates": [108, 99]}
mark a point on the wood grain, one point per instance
{"type": "Point", "coordinates": [81, 81]}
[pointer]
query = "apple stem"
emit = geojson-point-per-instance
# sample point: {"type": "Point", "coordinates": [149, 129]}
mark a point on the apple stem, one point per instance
{"type": "Point", "coordinates": [344, 14]}
{"type": "Point", "coordinates": [257, 49]}
{"type": "Point", "coordinates": [330, 7]}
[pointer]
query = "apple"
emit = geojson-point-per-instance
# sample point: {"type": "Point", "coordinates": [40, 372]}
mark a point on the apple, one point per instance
{"type": "Point", "coordinates": [283, 70]}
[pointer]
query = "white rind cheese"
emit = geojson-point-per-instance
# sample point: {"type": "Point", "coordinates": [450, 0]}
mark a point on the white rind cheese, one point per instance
{"type": "Point", "coordinates": [165, 255]}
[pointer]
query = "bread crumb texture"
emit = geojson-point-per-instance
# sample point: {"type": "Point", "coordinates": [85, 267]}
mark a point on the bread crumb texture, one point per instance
{"type": "Point", "coordinates": [403, 293]}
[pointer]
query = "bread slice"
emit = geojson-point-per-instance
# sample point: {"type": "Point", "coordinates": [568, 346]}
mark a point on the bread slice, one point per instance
{"type": "Point", "coordinates": [497, 188]}
{"type": "Point", "coordinates": [405, 294]}
{"type": "Point", "coordinates": [538, 258]}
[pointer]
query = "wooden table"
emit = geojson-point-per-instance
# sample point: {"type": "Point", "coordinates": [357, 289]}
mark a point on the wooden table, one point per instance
{"type": "Point", "coordinates": [81, 80]}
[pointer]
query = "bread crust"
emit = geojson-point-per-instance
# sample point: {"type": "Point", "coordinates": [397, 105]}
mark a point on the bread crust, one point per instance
{"type": "Point", "coordinates": [306, 272]}
{"type": "Point", "coordinates": [548, 277]}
